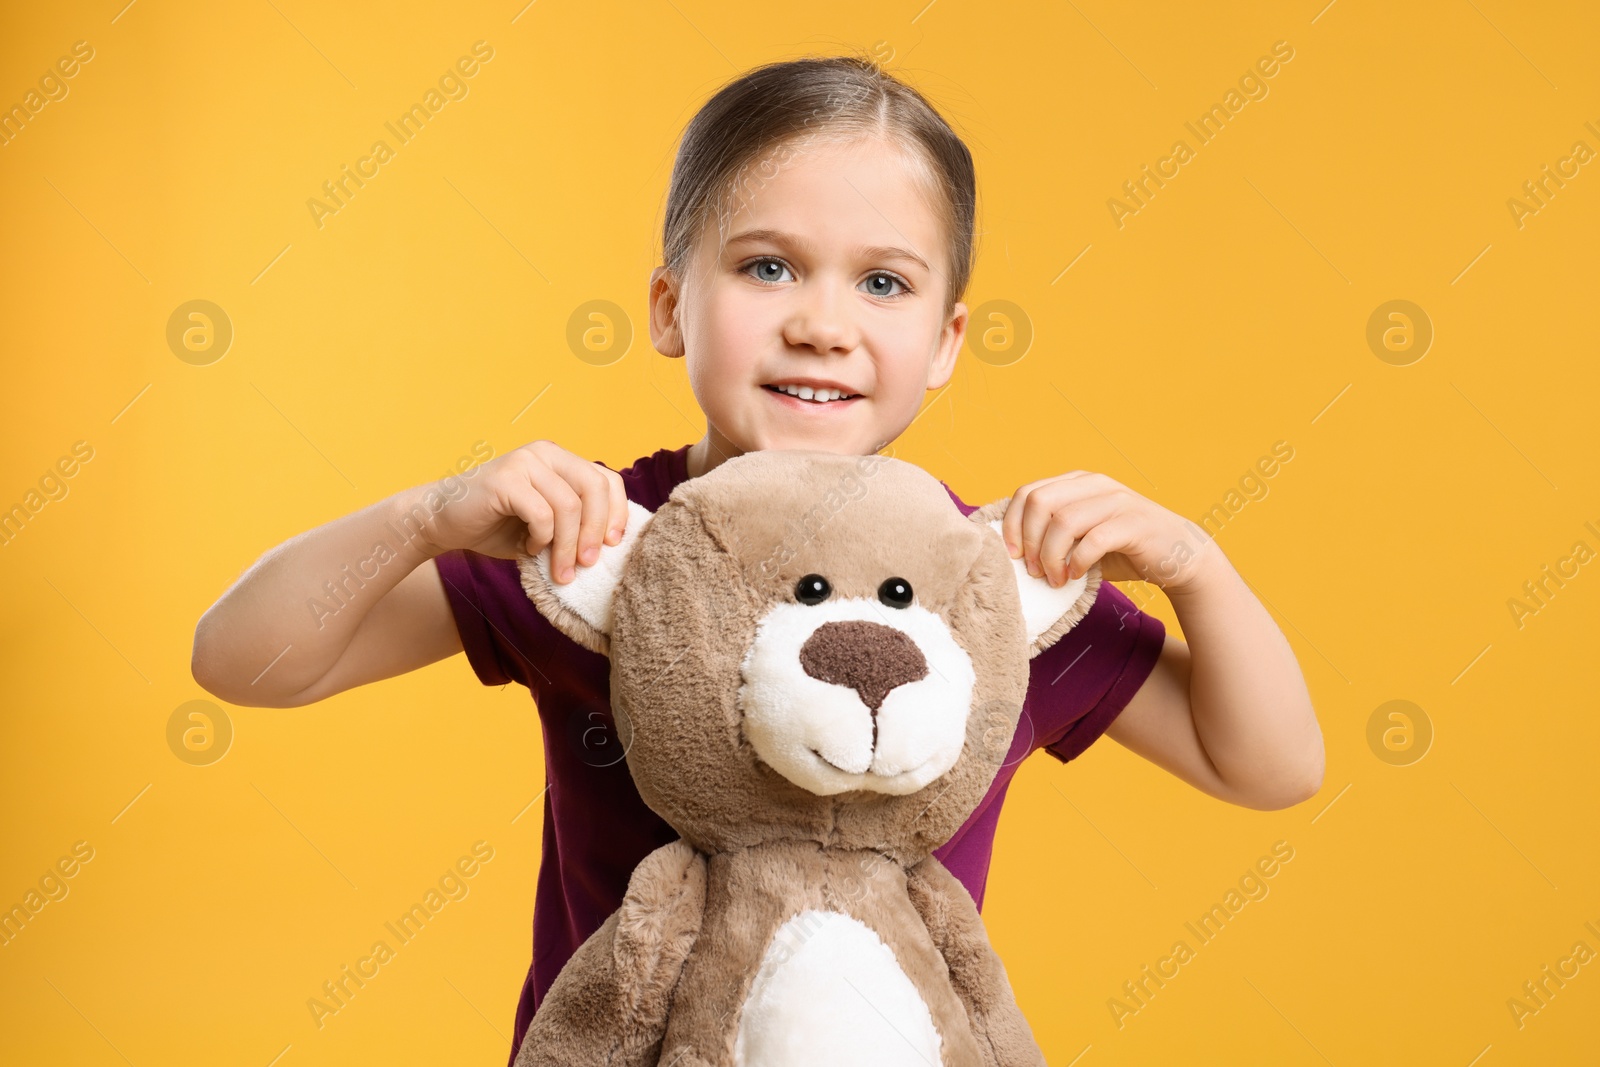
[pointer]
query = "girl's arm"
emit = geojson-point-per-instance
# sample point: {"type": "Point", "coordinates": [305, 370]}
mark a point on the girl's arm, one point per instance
{"type": "Point", "coordinates": [359, 599]}
{"type": "Point", "coordinates": [1229, 712]}
{"type": "Point", "coordinates": [279, 639]}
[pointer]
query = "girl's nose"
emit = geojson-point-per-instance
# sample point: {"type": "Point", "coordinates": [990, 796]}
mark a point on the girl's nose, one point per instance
{"type": "Point", "coordinates": [821, 319]}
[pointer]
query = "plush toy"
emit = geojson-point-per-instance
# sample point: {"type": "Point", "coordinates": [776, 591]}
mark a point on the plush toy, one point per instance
{"type": "Point", "coordinates": [817, 666]}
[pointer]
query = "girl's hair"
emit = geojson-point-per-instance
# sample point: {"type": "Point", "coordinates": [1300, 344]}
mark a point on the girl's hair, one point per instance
{"type": "Point", "coordinates": [739, 138]}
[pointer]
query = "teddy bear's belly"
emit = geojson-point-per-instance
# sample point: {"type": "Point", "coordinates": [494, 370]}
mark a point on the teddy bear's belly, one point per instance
{"type": "Point", "coordinates": [830, 991]}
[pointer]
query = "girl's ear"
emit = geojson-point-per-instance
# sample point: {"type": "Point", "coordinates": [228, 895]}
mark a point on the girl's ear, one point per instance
{"type": "Point", "coordinates": [1048, 611]}
{"type": "Point", "coordinates": [581, 608]}
{"type": "Point", "coordinates": [666, 331]}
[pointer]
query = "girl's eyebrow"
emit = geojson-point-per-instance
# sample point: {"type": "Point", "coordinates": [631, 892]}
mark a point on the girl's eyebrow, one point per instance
{"type": "Point", "coordinates": [796, 241]}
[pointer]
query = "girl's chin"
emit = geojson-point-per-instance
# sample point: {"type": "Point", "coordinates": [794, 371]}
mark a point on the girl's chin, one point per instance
{"type": "Point", "coordinates": [836, 443]}
{"type": "Point", "coordinates": [783, 431]}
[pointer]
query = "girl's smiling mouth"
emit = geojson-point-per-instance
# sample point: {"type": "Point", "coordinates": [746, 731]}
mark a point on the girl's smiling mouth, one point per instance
{"type": "Point", "coordinates": [812, 394]}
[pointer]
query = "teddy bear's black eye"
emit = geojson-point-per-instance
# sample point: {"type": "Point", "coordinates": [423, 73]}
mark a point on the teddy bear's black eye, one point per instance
{"type": "Point", "coordinates": [895, 592]}
{"type": "Point", "coordinates": [812, 589]}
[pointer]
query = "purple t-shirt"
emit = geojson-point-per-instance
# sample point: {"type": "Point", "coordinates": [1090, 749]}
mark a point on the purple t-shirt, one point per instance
{"type": "Point", "coordinates": [596, 826]}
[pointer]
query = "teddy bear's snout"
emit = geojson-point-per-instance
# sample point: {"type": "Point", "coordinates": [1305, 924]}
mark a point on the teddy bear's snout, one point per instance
{"type": "Point", "coordinates": [868, 657]}
{"type": "Point", "coordinates": [837, 696]}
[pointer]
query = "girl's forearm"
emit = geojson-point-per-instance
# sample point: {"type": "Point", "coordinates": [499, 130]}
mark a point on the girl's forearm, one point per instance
{"type": "Point", "coordinates": [289, 618]}
{"type": "Point", "coordinates": [1251, 708]}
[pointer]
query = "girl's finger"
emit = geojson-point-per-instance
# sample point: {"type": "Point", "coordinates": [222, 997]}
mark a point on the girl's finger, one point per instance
{"type": "Point", "coordinates": [1011, 522]}
{"type": "Point", "coordinates": [1044, 503]}
{"type": "Point", "coordinates": [529, 507]}
{"type": "Point", "coordinates": [1093, 545]}
{"type": "Point", "coordinates": [594, 497]}
{"type": "Point", "coordinates": [1058, 540]}
{"type": "Point", "coordinates": [1036, 514]}
{"type": "Point", "coordinates": [567, 508]}
{"type": "Point", "coordinates": [592, 483]}
{"type": "Point", "coordinates": [617, 520]}
{"type": "Point", "coordinates": [1070, 523]}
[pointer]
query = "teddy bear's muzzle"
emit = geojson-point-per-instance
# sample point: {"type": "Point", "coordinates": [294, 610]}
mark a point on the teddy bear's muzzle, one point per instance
{"type": "Point", "coordinates": [839, 696]}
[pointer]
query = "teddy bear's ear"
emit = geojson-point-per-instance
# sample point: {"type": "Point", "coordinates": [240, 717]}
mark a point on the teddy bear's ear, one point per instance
{"type": "Point", "coordinates": [1048, 611]}
{"type": "Point", "coordinates": [581, 608]}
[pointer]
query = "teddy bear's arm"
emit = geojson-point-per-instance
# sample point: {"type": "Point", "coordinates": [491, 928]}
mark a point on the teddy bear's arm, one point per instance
{"type": "Point", "coordinates": [609, 1003]}
{"type": "Point", "coordinates": [979, 977]}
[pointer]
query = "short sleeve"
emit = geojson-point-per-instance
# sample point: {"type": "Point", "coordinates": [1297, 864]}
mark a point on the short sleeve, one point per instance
{"type": "Point", "coordinates": [493, 615]}
{"type": "Point", "coordinates": [1079, 685]}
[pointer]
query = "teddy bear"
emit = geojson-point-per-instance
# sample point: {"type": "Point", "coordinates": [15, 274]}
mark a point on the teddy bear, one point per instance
{"type": "Point", "coordinates": [817, 663]}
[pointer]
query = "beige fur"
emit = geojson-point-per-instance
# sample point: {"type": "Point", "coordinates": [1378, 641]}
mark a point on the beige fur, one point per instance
{"type": "Point", "coordinates": [664, 980]}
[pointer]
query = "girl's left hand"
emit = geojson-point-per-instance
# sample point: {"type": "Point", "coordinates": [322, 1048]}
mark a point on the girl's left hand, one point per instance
{"type": "Point", "coordinates": [1060, 526]}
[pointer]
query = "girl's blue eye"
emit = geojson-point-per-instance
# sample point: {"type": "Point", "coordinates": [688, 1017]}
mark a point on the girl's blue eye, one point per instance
{"type": "Point", "coordinates": [761, 266]}
{"type": "Point", "coordinates": [881, 277]}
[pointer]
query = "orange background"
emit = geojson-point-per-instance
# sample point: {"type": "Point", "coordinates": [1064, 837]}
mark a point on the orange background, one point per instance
{"type": "Point", "coordinates": [1229, 313]}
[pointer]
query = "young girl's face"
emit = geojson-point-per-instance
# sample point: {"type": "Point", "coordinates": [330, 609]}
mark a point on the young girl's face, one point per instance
{"type": "Point", "coordinates": [833, 277]}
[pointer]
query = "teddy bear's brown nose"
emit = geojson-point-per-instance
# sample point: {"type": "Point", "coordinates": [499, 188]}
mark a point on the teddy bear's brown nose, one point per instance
{"type": "Point", "coordinates": [869, 657]}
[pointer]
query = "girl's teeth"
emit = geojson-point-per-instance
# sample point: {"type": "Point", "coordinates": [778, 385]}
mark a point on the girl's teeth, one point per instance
{"type": "Point", "coordinates": [806, 392]}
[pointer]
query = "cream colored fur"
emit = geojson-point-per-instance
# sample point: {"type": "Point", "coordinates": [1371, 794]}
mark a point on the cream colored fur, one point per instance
{"type": "Point", "coordinates": [812, 756]}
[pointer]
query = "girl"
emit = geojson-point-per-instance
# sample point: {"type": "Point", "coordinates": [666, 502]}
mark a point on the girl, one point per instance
{"type": "Point", "coordinates": [818, 240]}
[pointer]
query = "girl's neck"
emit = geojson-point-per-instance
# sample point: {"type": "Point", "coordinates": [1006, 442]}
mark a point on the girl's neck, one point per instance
{"type": "Point", "coordinates": [710, 452]}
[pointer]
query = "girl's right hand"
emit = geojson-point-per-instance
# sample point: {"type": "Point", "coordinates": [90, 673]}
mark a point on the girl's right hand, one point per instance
{"type": "Point", "coordinates": [535, 496]}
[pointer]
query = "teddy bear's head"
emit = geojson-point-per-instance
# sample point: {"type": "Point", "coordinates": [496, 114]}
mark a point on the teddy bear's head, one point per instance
{"type": "Point", "coordinates": [813, 647]}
